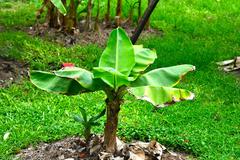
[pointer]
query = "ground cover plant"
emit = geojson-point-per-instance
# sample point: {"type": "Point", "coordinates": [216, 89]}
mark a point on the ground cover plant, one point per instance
{"type": "Point", "coordinates": [195, 32]}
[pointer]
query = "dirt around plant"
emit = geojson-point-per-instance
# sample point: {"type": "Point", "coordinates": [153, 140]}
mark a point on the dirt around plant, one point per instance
{"type": "Point", "coordinates": [11, 71]}
{"type": "Point", "coordinates": [74, 148]}
{"type": "Point", "coordinates": [82, 37]}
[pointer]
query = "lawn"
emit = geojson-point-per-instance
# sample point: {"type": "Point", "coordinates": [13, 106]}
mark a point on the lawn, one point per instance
{"type": "Point", "coordinates": [198, 32]}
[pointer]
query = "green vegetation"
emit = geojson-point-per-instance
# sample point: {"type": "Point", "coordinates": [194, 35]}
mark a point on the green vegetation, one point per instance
{"type": "Point", "coordinates": [121, 70]}
{"type": "Point", "coordinates": [195, 32]}
{"type": "Point", "coordinates": [87, 122]}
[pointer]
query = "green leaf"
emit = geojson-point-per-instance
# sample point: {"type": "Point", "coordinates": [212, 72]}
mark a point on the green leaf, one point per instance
{"type": "Point", "coordinates": [161, 96]}
{"type": "Point", "coordinates": [95, 118]}
{"type": "Point", "coordinates": [52, 83]}
{"type": "Point", "coordinates": [84, 77]}
{"type": "Point", "coordinates": [59, 5]}
{"type": "Point", "coordinates": [110, 76]}
{"type": "Point", "coordinates": [68, 3]}
{"type": "Point", "coordinates": [167, 77]}
{"type": "Point", "coordinates": [79, 119]}
{"type": "Point", "coordinates": [95, 123]}
{"type": "Point", "coordinates": [84, 114]}
{"type": "Point", "coordinates": [119, 55]}
{"type": "Point", "coordinates": [143, 58]}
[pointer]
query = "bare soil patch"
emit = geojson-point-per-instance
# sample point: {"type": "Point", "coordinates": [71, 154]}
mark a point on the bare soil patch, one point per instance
{"type": "Point", "coordinates": [74, 148]}
{"type": "Point", "coordinates": [11, 71]}
{"type": "Point", "coordinates": [1, 28]}
{"type": "Point", "coordinates": [83, 37]}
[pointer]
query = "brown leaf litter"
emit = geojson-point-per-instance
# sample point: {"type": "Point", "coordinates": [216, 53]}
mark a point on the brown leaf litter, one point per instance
{"type": "Point", "coordinates": [74, 148]}
{"type": "Point", "coordinates": [232, 65]}
{"type": "Point", "coordinates": [83, 37]}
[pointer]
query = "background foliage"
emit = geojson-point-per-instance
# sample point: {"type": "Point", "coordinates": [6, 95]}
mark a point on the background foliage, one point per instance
{"type": "Point", "coordinates": [198, 32]}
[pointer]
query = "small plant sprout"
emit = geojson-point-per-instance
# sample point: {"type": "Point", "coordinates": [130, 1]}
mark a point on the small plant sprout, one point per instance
{"type": "Point", "coordinates": [121, 70]}
{"type": "Point", "coordinates": [88, 123]}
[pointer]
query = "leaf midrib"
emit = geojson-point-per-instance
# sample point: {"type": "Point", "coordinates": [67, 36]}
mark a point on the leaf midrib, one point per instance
{"type": "Point", "coordinates": [116, 61]}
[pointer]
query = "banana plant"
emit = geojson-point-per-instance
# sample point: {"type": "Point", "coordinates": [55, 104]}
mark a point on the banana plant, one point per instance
{"type": "Point", "coordinates": [88, 123]}
{"type": "Point", "coordinates": [121, 70]}
{"type": "Point", "coordinates": [60, 6]}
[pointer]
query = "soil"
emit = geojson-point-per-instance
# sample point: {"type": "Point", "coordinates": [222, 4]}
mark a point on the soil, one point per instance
{"type": "Point", "coordinates": [11, 71]}
{"type": "Point", "coordinates": [82, 37]}
{"type": "Point", "coordinates": [1, 28]}
{"type": "Point", "coordinates": [74, 148]}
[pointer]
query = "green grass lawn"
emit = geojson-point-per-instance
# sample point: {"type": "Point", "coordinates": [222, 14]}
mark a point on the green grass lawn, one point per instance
{"type": "Point", "coordinates": [199, 32]}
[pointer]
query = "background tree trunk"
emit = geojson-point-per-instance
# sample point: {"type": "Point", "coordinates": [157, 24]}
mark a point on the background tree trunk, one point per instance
{"type": "Point", "coordinates": [118, 13]}
{"type": "Point", "coordinates": [55, 19]}
{"type": "Point", "coordinates": [143, 21]}
{"type": "Point", "coordinates": [70, 20]}
{"type": "Point", "coordinates": [52, 16]}
{"type": "Point", "coordinates": [96, 26]}
{"type": "Point", "coordinates": [89, 15]}
{"type": "Point", "coordinates": [107, 15]}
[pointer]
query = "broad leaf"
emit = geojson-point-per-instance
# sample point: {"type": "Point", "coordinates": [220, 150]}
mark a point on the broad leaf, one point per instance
{"type": "Point", "coordinates": [95, 118]}
{"type": "Point", "coordinates": [161, 96]}
{"type": "Point", "coordinates": [94, 123]}
{"type": "Point", "coordinates": [110, 76]}
{"type": "Point", "coordinates": [79, 119]}
{"type": "Point", "coordinates": [59, 5]}
{"type": "Point", "coordinates": [119, 55]}
{"type": "Point", "coordinates": [52, 83]}
{"type": "Point", "coordinates": [84, 77]}
{"type": "Point", "coordinates": [143, 58]}
{"type": "Point", "coordinates": [167, 77]}
{"type": "Point", "coordinates": [84, 114]}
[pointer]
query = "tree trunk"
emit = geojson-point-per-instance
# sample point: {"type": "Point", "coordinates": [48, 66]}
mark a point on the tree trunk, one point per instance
{"type": "Point", "coordinates": [70, 20]}
{"type": "Point", "coordinates": [52, 16]}
{"type": "Point", "coordinates": [89, 15]}
{"type": "Point", "coordinates": [54, 19]}
{"type": "Point", "coordinates": [107, 15]}
{"type": "Point", "coordinates": [113, 103]}
{"type": "Point", "coordinates": [118, 13]}
{"type": "Point", "coordinates": [143, 21]}
{"type": "Point", "coordinates": [96, 26]}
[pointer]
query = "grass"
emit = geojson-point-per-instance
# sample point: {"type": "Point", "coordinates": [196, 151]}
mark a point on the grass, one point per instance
{"type": "Point", "coordinates": [196, 32]}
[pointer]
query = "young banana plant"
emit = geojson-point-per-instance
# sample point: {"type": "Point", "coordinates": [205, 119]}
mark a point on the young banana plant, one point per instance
{"type": "Point", "coordinates": [88, 123]}
{"type": "Point", "coordinates": [121, 70]}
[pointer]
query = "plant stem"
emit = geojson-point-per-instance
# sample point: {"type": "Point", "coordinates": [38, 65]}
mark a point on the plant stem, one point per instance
{"type": "Point", "coordinates": [113, 103]}
{"type": "Point", "coordinates": [87, 134]}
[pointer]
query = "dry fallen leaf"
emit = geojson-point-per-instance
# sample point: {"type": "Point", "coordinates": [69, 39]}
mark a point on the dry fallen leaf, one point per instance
{"type": "Point", "coordinates": [6, 136]}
